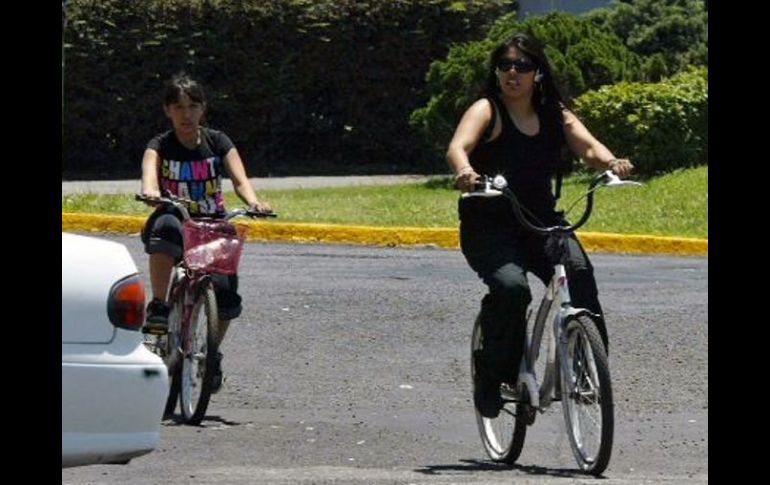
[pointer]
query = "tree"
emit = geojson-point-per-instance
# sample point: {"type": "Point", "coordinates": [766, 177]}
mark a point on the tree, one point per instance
{"type": "Point", "coordinates": [670, 34]}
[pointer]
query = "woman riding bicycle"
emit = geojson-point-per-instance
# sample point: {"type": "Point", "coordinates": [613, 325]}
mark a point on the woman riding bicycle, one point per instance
{"type": "Point", "coordinates": [189, 161]}
{"type": "Point", "coordinates": [519, 129]}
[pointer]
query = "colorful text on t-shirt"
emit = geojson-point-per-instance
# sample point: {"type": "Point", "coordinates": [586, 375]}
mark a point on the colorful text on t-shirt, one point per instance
{"type": "Point", "coordinates": [198, 180]}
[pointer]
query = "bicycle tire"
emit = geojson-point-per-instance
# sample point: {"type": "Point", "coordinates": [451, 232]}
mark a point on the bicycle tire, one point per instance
{"type": "Point", "coordinates": [173, 350]}
{"type": "Point", "coordinates": [585, 380]}
{"type": "Point", "coordinates": [502, 437]}
{"type": "Point", "coordinates": [198, 364]}
{"type": "Point", "coordinates": [175, 379]}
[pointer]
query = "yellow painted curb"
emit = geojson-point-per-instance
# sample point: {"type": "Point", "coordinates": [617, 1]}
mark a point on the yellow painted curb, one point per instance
{"type": "Point", "coordinates": [389, 236]}
{"type": "Point", "coordinates": [602, 242]}
{"type": "Point", "coordinates": [101, 223]}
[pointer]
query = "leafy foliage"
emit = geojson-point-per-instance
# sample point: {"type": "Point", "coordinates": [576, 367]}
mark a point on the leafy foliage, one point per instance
{"type": "Point", "coordinates": [669, 34]}
{"type": "Point", "coordinates": [660, 126]}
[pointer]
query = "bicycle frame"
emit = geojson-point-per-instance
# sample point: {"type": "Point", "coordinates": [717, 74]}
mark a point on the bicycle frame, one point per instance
{"type": "Point", "coordinates": [190, 291]}
{"type": "Point", "coordinates": [580, 379]}
{"type": "Point", "coordinates": [541, 392]}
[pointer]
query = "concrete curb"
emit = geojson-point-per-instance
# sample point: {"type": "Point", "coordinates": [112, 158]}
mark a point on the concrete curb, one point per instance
{"type": "Point", "coordinates": [391, 236]}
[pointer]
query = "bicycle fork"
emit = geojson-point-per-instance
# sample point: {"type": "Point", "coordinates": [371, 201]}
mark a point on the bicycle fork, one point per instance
{"type": "Point", "coordinates": [566, 313]}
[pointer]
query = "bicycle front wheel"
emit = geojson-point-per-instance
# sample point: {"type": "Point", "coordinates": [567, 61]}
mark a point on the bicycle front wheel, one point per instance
{"type": "Point", "coordinates": [587, 395]}
{"type": "Point", "coordinates": [173, 351]}
{"type": "Point", "coordinates": [502, 436]}
{"type": "Point", "coordinates": [198, 364]}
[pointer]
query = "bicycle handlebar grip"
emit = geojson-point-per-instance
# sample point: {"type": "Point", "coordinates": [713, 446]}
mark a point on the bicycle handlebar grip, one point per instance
{"type": "Point", "coordinates": [480, 184]}
{"type": "Point", "coordinates": [146, 198]}
{"type": "Point", "coordinates": [262, 214]}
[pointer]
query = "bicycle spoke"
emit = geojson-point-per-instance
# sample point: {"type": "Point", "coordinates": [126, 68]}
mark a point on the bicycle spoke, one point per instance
{"type": "Point", "coordinates": [589, 416]}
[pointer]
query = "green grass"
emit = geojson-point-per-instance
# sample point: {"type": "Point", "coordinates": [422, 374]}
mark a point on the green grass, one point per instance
{"type": "Point", "coordinates": [672, 205]}
{"type": "Point", "coordinates": [675, 204]}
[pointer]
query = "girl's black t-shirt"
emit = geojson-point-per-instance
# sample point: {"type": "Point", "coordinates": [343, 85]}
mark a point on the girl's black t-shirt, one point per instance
{"type": "Point", "coordinates": [194, 173]}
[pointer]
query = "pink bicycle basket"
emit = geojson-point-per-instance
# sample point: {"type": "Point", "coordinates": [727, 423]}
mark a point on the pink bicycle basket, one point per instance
{"type": "Point", "coordinates": [213, 246]}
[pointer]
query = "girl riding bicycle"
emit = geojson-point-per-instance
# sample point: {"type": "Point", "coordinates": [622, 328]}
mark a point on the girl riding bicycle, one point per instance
{"type": "Point", "coordinates": [518, 129]}
{"type": "Point", "coordinates": [189, 161]}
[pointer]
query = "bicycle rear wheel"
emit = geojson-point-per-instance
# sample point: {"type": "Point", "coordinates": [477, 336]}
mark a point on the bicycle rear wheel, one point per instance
{"type": "Point", "coordinates": [198, 364]}
{"type": "Point", "coordinates": [587, 395]}
{"type": "Point", "coordinates": [503, 436]}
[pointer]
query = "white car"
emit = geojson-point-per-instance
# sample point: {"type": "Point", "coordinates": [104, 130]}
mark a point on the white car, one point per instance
{"type": "Point", "coordinates": [113, 389]}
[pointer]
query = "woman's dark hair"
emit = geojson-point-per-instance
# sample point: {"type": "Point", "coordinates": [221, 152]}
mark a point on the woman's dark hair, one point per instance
{"type": "Point", "coordinates": [180, 84]}
{"type": "Point", "coordinates": [546, 98]}
{"type": "Point", "coordinates": [546, 93]}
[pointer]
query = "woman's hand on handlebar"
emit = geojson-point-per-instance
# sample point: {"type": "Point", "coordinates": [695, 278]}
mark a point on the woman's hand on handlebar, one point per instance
{"type": "Point", "coordinates": [466, 179]}
{"type": "Point", "coordinates": [621, 167]}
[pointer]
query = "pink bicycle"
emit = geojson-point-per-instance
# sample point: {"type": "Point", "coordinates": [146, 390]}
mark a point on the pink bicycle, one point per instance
{"type": "Point", "coordinates": [211, 245]}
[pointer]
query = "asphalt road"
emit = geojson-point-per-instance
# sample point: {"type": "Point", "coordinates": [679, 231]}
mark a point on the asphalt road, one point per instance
{"type": "Point", "coordinates": [350, 365]}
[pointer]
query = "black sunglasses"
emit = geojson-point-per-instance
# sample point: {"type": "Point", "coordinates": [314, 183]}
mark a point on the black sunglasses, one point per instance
{"type": "Point", "coordinates": [521, 65]}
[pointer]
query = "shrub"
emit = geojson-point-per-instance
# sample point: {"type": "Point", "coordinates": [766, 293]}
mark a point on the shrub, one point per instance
{"type": "Point", "coordinates": [659, 126]}
{"type": "Point", "coordinates": [669, 34]}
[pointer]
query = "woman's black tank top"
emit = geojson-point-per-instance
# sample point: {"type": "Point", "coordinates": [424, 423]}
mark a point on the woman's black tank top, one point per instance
{"type": "Point", "coordinates": [529, 163]}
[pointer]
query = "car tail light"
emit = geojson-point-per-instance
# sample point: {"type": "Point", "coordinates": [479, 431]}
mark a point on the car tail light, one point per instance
{"type": "Point", "coordinates": [125, 305]}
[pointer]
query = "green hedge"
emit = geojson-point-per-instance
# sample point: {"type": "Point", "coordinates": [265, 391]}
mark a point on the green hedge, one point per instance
{"type": "Point", "coordinates": [583, 57]}
{"type": "Point", "coordinates": [660, 126]}
{"type": "Point", "coordinates": [302, 86]}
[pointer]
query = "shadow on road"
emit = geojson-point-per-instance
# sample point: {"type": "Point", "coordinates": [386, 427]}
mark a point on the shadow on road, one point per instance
{"type": "Point", "coordinates": [473, 466]}
{"type": "Point", "coordinates": [208, 421]}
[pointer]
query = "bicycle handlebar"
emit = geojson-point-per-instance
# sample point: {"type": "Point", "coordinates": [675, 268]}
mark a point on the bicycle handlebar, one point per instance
{"type": "Point", "coordinates": [184, 204]}
{"type": "Point", "coordinates": [497, 186]}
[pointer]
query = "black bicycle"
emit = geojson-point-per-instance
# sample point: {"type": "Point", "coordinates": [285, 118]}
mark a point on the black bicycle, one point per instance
{"type": "Point", "coordinates": [564, 361]}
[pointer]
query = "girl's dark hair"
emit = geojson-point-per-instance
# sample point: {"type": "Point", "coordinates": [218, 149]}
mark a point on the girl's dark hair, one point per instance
{"type": "Point", "coordinates": [546, 93]}
{"type": "Point", "coordinates": [180, 84]}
